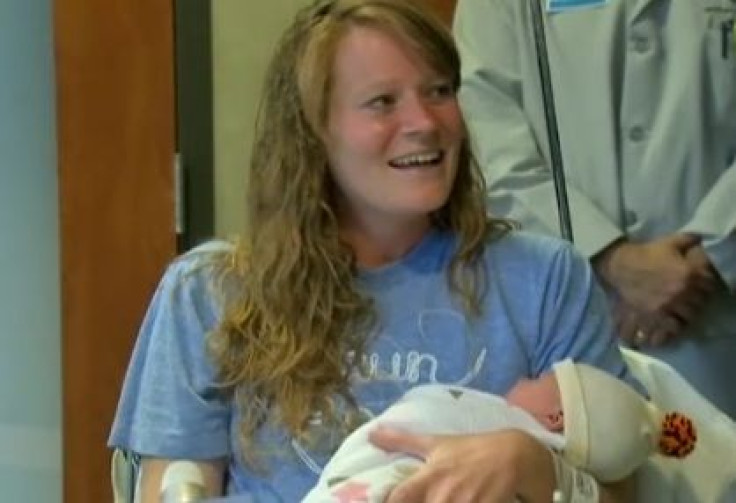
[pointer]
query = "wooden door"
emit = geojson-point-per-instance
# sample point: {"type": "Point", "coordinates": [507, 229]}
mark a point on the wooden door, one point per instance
{"type": "Point", "coordinates": [114, 72]}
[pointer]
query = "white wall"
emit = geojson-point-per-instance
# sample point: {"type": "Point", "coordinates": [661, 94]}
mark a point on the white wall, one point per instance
{"type": "Point", "coordinates": [30, 361]}
{"type": "Point", "coordinates": [243, 36]}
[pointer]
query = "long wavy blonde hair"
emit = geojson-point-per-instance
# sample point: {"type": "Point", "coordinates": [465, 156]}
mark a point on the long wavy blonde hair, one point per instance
{"type": "Point", "coordinates": [295, 324]}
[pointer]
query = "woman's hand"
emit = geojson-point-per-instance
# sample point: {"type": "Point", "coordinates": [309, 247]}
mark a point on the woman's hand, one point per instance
{"type": "Point", "coordinates": [498, 467]}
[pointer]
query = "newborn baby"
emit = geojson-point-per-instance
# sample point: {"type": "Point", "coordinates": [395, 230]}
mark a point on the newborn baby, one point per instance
{"type": "Point", "coordinates": [594, 421]}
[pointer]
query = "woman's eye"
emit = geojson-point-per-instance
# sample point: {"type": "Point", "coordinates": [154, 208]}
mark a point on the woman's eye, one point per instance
{"type": "Point", "coordinates": [381, 102]}
{"type": "Point", "coordinates": [442, 90]}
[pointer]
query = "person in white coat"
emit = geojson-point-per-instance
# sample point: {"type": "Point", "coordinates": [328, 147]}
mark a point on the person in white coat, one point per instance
{"type": "Point", "coordinates": [645, 95]}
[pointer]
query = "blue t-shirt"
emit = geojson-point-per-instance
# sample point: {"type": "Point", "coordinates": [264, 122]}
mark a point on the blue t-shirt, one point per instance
{"type": "Point", "coordinates": [541, 305]}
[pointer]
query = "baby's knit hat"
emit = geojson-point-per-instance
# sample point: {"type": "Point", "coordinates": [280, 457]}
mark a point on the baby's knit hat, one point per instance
{"type": "Point", "coordinates": [610, 429]}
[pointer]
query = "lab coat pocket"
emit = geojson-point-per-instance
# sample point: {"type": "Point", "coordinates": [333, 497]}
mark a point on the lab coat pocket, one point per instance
{"type": "Point", "coordinates": [722, 67]}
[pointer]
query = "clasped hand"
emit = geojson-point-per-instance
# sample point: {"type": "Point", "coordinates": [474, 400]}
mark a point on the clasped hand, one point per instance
{"type": "Point", "coordinates": [498, 467]}
{"type": "Point", "coordinates": [661, 286]}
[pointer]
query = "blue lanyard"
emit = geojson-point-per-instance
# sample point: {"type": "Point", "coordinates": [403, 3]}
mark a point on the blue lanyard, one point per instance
{"type": "Point", "coordinates": [566, 5]}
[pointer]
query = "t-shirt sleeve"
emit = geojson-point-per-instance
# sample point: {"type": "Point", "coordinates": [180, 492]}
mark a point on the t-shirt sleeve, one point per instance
{"type": "Point", "coordinates": [576, 320]}
{"type": "Point", "coordinates": [170, 406]}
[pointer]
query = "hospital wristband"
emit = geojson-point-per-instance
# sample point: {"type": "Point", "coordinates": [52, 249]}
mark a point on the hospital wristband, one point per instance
{"type": "Point", "coordinates": [573, 485]}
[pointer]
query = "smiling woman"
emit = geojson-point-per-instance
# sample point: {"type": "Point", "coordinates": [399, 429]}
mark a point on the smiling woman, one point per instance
{"type": "Point", "coordinates": [394, 137]}
{"type": "Point", "coordinates": [364, 193]}
{"type": "Point", "coordinates": [237, 66]}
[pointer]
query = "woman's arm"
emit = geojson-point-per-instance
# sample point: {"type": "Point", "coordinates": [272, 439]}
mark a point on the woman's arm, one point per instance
{"type": "Point", "coordinates": [619, 492]}
{"type": "Point", "coordinates": [152, 473]}
{"type": "Point", "coordinates": [536, 483]}
{"type": "Point", "coordinates": [171, 407]}
{"type": "Point", "coordinates": [488, 468]}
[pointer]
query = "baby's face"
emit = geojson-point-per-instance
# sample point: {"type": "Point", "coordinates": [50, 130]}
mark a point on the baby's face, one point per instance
{"type": "Point", "coordinates": [541, 398]}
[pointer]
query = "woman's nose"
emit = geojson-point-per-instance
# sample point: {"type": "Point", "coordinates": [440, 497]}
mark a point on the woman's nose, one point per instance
{"type": "Point", "coordinates": [419, 116]}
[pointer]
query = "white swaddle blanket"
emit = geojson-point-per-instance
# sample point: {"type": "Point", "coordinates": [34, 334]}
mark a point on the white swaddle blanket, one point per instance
{"type": "Point", "coordinates": [361, 472]}
{"type": "Point", "coordinates": [708, 475]}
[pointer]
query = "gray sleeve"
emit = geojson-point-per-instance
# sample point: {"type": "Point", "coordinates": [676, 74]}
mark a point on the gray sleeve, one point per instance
{"type": "Point", "coordinates": [715, 221]}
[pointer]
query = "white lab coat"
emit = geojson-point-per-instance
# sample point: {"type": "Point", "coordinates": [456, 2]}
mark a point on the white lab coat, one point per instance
{"type": "Point", "coordinates": [646, 107]}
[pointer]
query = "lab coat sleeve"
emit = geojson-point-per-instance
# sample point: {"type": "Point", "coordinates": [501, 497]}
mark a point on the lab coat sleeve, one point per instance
{"type": "Point", "coordinates": [492, 96]}
{"type": "Point", "coordinates": [715, 221]}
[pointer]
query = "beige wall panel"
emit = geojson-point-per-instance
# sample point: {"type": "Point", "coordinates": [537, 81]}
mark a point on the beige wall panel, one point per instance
{"type": "Point", "coordinates": [244, 34]}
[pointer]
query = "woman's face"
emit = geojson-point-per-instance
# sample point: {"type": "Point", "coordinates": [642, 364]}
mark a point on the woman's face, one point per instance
{"type": "Point", "coordinates": [393, 135]}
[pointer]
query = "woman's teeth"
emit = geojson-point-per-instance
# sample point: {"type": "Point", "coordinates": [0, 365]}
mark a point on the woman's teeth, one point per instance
{"type": "Point", "coordinates": [417, 160]}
